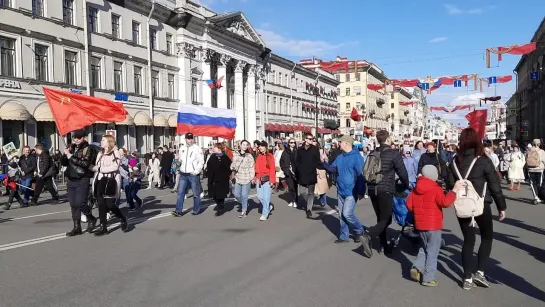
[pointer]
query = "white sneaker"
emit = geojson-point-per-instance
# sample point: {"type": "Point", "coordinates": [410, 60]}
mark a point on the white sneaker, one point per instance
{"type": "Point", "coordinates": [109, 216]}
{"type": "Point", "coordinates": [83, 218]}
{"type": "Point", "coordinates": [202, 195]}
{"type": "Point", "coordinates": [263, 218]}
{"type": "Point", "coordinates": [185, 196]}
{"type": "Point", "coordinates": [365, 196]}
{"type": "Point", "coordinates": [290, 205]}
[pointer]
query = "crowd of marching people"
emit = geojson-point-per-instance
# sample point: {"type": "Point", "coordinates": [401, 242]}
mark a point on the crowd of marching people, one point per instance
{"type": "Point", "coordinates": [420, 181]}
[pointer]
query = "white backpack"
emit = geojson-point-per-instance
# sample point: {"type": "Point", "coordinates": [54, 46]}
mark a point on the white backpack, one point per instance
{"type": "Point", "coordinates": [468, 202]}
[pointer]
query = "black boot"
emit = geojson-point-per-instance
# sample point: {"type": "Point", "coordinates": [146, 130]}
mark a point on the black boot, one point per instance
{"type": "Point", "coordinates": [103, 230]}
{"type": "Point", "coordinates": [7, 206]}
{"type": "Point", "coordinates": [77, 229]}
{"type": "Point", "coordinates": [91, 223]}
{"type": "Point", "coordinates": [124, 224]}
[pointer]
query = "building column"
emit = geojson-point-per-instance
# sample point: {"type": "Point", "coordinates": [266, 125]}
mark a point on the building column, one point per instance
{"type": "Point", "coordinates": [184, 64]}
{"type": "Point", "coordinates": [207, 57]}
{"type": "Point", "coordinates": [222, 73]}
{"type": "Point", "coordinates": [251, 107]}
{"type": "Point", "coordinates": [239, 100]}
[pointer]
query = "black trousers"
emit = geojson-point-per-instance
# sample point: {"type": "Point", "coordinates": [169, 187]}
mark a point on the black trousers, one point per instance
{"type": "Point", "coordinates": [220, 203]}
{"type": "Point", "coordinates": [105, 205]}
{"type": "Point", "coordinates": [166, 178]}
{"type": "Point", "coordinates": [14, 194]}
{"type": "Point", "coordinates": [78, 192]}
{"type": "Point", "coordinates": [293, 189]}
{"type": "Point", "coordinates": [486, 229]}
{"type": "Point", "coordinates": [48, 184]}
{"type": "Point", "coordinates": [382, 204]}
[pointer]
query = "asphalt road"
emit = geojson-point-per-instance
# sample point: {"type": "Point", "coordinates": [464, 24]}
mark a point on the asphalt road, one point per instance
{"type": "Point", "coordinates": [225, 261]}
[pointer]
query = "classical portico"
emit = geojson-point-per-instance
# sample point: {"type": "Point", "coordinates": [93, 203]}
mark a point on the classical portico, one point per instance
{"type": "Point", "coordinates": [227, 49]}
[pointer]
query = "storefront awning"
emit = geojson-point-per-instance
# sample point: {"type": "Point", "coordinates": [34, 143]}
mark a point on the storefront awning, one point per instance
{"type": "Point", "coordinates": [14, 111]}
{"type": "Point", "coordinates": [43, 113]}
{"type": "Point", "coordinates": [142, 119]}
{"type": "Point", "coordinates": [129, 121]}
{"type": "Point", "coordinates": [173, 121]}
{"type": "Point", "coordinates": [159, 120]}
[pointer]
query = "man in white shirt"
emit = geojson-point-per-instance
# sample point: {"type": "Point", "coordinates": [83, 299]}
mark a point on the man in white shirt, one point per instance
{"type": "Point", "coordinates": [191, 165]}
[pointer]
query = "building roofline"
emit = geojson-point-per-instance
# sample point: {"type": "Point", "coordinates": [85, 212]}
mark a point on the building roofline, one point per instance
{"type": "Point", "coordinates": [540, 28]}
{"type": "Point", "coordinates": [311, 73]}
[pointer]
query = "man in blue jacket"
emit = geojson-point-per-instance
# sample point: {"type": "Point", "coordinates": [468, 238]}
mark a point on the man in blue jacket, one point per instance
{"type": "Point", "coordinates": [348, 167]}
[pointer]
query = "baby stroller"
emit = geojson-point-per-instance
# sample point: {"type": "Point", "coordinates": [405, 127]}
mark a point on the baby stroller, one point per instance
{"type": "Point", "coordinates": [403, 217]}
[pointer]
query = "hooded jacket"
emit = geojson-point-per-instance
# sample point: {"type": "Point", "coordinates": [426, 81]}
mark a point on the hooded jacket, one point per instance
{"type": "Point", "coordinates": [348, 166]}
{"type": "Point", "coordinates": [427, 201]}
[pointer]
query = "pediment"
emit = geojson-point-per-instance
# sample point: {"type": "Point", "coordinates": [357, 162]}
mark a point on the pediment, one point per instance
{"type": "Point", "coordinates": [237, 23]}
{"type": "Point", "coordinates": [195, 71]}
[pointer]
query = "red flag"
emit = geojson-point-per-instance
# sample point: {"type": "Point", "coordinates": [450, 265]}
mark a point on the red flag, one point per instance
{"type": "Point", "coordinates": [477, 121]}
{"type": "Point", "coordinates": [355, 116]}
{"type": "Point", "coordinates": [75, 111]}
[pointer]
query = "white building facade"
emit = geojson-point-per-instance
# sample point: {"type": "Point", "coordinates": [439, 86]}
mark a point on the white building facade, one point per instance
{"type": "Point", "coordinates": [100, 48]}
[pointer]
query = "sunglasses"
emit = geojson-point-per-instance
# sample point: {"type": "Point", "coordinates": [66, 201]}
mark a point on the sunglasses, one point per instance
{"type": "Point", "coordinates": [292, 142]}
{"type": "Point", "coordinates": [309, 139]}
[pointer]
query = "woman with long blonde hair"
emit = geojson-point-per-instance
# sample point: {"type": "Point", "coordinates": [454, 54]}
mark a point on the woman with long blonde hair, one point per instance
{"type": "Point", "coordinates": [107, 183]}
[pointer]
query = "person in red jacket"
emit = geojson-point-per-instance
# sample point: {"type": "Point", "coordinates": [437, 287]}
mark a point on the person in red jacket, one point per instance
{"type": "Point", "coordinates": [426, 202]}
{"type": "Point", "coordinates": [265, 178]}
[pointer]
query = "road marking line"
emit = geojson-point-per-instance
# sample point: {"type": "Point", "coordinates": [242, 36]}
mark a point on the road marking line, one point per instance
{"type": "Point", "coordinates": [134, 220]}
{"type": "Point", "coordinates": [9, 219]}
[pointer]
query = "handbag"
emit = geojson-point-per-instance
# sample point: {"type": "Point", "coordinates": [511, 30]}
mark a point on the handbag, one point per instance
{"type": "Point", "coordinates": [110, 185]}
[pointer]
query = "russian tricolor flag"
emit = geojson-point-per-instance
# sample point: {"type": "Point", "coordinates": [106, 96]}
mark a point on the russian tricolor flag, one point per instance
{"type": "Point", "coordinates": [205, 121]}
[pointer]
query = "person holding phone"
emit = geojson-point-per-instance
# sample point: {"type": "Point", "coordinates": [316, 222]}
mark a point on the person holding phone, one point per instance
{"type": "Point", "coordinates": [265, 178]}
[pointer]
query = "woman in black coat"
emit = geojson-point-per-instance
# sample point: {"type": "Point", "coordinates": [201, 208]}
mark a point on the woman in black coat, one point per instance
{"type": "Point", "coordinates": [218, 171]}
{"type": "Point", "coordinates": [432, 157]}
{"type": "Point", "coordinates": [483, 171]}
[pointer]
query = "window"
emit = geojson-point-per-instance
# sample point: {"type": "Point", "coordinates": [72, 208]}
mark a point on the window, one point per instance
{"type": "Point", "coordinates": [153, 38]}
{"type": "Point", "coordinates": [273, 80]}
{"type": "Point", "coordinates": [138, 80]}
{"type": "Point", "coordinates": [118, 76]}
{"type": "Point", "coordinates": [5, 3]}
{"type": "Point", "coordinates": [70, 66]}
{"type": "Point", "coordinates": [273, 107]}
{"type": "Point", "coordinates": [391, 105]}
{"type": "Point", "coordinates": [348, 106]}
{"type": "Point", "coordinates": [38, 8]}
{"type": "Point", "coordinates": [347, 91]}
{"type": "Point", "coordinates": [347, 77]}
{"type": "Point", "coordinates": [116, 26]}
{"type": "Point", "coordinates": [357, 90]}
{"type": "Point", "coordinates": [194, 97]}
{"type": "Point", "coordinates": [279, 78]}
{"type": "Point", "coordinates": [287, 80]}
{"type": "Point", "coordinates": [169, 43]}
{"type": "Point", "coordinates": [171, 86]}
{"type": "Point", "coordinates": [41, 62]}
{"type": "Point", "coordinates": [348, 122]}
{"type": "Point", "coordinates": [155, 83]}
{"type": "Point", "coordinates": [68, 11]}
{"type": "Point", "coordinates": [93, 19]}
{"type": "Point", "coordinates": [338, 77]}
{"type": "Point", "coordinates": [281, 106]}
{"type": "Point", "coordinates": [95, 72]}
{"type": "Point", "coordinates": [136, 32]}
{"type": "Point", "coordinates": [268, 103]}
{"type": "Point", "coordinates": [358, 75]}
{"type": "Point", "coordinates": [7, 57]}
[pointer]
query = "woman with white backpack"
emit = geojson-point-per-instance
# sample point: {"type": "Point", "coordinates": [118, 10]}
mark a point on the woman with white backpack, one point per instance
{"type": "Point", "coordinates": [482, 184]}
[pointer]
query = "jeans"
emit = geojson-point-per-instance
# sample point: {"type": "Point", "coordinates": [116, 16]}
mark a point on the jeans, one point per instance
{"type": "Point", "coordinates": [126, 187]}
{"type": "Point", "coordinates": [347, 217]}
{"type": "Point", "coordinates": [132, 195]}
{"type": "Point", "coordinates": [194, 181]}
{"type": "Point", "coordinates": [323, 199]}
{"type": "Point", "coordinates": [241, 194]}
{"type": "Point", "coordinates": [26, 182]}
{"type": "Point", "coordinates": [308, 194]}
{"type": "Point", "coordinates": [426, 260]}
{"type": "Point", "coordinates": [264, 196]}
{"type": "Point", "coordinates": [536, 180]}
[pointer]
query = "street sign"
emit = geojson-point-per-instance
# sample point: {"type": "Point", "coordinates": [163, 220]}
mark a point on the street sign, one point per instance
{"type": "Point", "coordinates": [534, 75]}
{"type": "Point", "coordinates": [492, 80]}
{"type": "Point", "coordinates": [457, 83]}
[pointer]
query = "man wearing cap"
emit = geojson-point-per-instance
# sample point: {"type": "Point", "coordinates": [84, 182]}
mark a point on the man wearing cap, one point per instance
{"type": "Point", "coordinates": [191, 165]}
{"type": "Point", "coordinates": [78, 160]}
{"type": "Point", "coordinates": [348, 167]}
